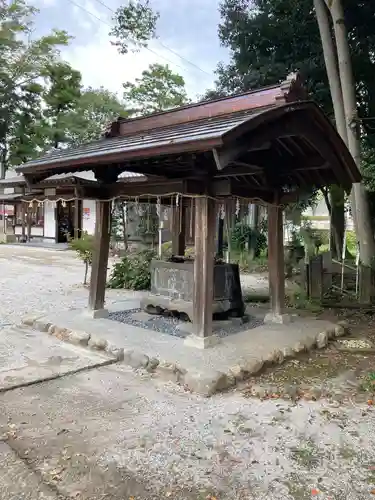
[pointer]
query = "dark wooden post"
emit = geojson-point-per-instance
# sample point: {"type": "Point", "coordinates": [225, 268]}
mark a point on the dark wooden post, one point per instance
{"type": "Point", "coordinates": [276, 265]}
{"type": "Point", "coordinates": [76, 214]}
{"type": "Point", "coordinates": [205, 220]}
{"type": "Point", "coordinates": [220, 238]}
{"type": "Point", "coordinates": [178, 229]}
{"type": "Point", "coordinates": [23, 216]}
{"type": "Point", "coordinates": [100, 260]}
{"type": "Point", "coordinates": [28, 218]}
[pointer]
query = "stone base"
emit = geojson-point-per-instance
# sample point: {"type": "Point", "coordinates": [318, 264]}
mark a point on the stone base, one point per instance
{"type": "Point", "coordinates": [96, 313]}
{"type": "Point", "coordinates": [201, 342]}
{"type": "Point", "coordinates": [276, 318]}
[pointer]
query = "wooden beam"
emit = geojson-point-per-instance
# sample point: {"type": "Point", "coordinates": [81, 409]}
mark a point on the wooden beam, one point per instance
{"type": "Point", "coordinates": [276, 260]}
{"type": "Point", "coordinates": [100, 259]}
{"type": "Point", "coordinates": [227, 154]}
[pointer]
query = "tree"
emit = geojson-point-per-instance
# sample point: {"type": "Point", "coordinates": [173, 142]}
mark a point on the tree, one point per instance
{"type": "Point", "coordinates": [23, 61]}
{"type": "Point", "coordinates": [92, 112]}
{"type": "Point", "coordinates": [158, 89]}
{"type": "Point", "coordinates": [61, 96]}
{"type": "Point", "coordinates": [134, 25]}
{"type": "Point", "coordinates": [269, 38]}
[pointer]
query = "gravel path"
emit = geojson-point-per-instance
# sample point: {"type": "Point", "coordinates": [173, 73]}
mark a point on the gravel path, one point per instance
{"type": "Point", "coordinates": [33, 279]}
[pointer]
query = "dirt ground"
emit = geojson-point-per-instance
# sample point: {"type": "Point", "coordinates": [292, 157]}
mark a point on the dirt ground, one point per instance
{"type": "Point", "coordinates": [110, 433]}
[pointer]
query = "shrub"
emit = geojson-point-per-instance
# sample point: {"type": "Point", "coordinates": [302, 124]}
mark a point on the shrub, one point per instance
{"type": "Point", "coordinates": [243, 235]}
{"type": "Point", "coordinates": [133, 271]}
{"type": "Point", "coordinates": [84, 247]}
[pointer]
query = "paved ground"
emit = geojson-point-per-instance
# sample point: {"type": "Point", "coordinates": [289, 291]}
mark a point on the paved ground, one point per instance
{"type": "Point", "coordinates": [112, 434]}
{"type": "Point", "coordinates": [28, 356]}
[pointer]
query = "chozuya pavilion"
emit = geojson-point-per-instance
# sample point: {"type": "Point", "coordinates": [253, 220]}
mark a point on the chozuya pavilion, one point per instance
{"type": "Point", "coordinates": [265, 146]}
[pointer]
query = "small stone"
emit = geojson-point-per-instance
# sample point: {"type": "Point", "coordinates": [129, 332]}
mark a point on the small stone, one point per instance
{"type": "Point", "coordinates": [346, 326]}
{"type": "Point", "coordinates": [51, 330]}
{"type": "Point", "coordinates": [61, 333]}
{"type": "Point", "coordinates": [135, 359]}
{"type": "Point", "coordinates": [253, 366]}
{"type": "Point", "coordinates": [168, 371]}
{"type": "Point", "coordinates": [153, 363]}
{"type": "Point", "coordinates": [299, 347]}
{"type": "Point", "coordinates": [30, 320]}
{"type": "Point", "coordinates": [97, 343]}
{"type": "Point", "coordinates": [206, 383]}
{"type": "Point", "coordinates": [237, 372]}
{"type": "Point", "coordinates": [339, 331]}
{"type": "Point", "coordinates": [42, 325]}
{"type": "Point", "coordinates": [275, 357]}
{"type": "Point", "coordinates": [79, 338]}
{"type": "Point", "coordinates": [115, 352]}
{"type": "Point", "coordinates": [322, 340]}
{"type": "Point", "coordinates": [287, 352]}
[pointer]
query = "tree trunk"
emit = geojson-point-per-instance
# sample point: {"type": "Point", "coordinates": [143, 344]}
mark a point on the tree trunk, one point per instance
{"type": "Point", "coordinates": [337, 199]}
{"type": "Point", "coordinates": [337, 204]}
{"type": "Point", "coordinates": [123, 208]}
{"type": "Point", "coordinates": [361, 209]}
{"type": "Point", "coordinates": [86, 272]}
{"type": "Point", "coordinates": [254, 224]}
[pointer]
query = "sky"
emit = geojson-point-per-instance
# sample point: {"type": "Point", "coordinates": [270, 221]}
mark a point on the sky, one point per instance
{"type": "Point", "coordinates": [186, 28]}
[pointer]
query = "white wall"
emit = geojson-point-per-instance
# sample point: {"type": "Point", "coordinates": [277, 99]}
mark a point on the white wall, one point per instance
{"type": "Point", "coordinates": [88, 216]}
{"type": "Point", "coordinates": [49, 220]}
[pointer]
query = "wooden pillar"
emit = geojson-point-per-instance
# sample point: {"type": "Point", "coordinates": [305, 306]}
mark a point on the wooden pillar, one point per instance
{"type": "Point", "coordinates": [23, 217]}
{"type": "Point", "coordinates": [28, 219]}
{"type": "Point", "coordinates": [178, 230]}
{"type": "Point", "coordinates": [100, 260]}
{"type": "Point", "coordinates": [276, 265]}
{"type": "Point", "coordinates": [76, 215]}
{"type": "Point", "coordinates": [205, 220]}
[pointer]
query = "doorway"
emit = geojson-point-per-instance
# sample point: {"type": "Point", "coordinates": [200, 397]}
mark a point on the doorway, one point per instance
{"type": "Point", "coordinates": [65, 216]}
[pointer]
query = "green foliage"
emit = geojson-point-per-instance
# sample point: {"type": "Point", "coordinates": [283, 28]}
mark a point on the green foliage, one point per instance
{"type": "Point", "coordinates": [268, 39]}
{"type": "Point", "coordinates": [93, 111]}
{"type": "Point", "coordinates": [61, 96]}
{"type": "Point", "coordinates": [243, 237]}
{"type": "Point", "coordinates": [135, 25]}
{"type": "Point", "coordinates": [351, 242]}
{"type": "Point", "coordinates": [158, 89]}
{"type": "Point", "coordinates": [84, 247]}
{"type": "Point", "coordinates": [23, 61]}
{"type": "Point", "coordinates": [133, 271]}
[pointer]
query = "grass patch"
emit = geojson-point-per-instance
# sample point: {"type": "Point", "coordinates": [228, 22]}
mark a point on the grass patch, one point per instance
{"type": "Point", "coordinates": [368, 383]}
{"type": "Point", "coordinates": [307, 455]}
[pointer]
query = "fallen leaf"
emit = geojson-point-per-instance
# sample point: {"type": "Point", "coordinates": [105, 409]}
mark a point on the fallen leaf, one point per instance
{"type": "Point", "coordinates": [372, 492]}
{"type": "Point", "coordinates": [315, 492]}
{"type": "Point", "coordinates": [370, 402]}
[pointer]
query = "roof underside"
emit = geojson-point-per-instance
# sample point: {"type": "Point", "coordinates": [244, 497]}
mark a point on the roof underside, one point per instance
{"type": "Point", "coordinates": [269, 148]}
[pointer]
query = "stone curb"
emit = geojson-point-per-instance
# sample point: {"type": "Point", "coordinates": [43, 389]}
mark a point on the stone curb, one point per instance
{"type": "Point", "coordinates": [205, 382]}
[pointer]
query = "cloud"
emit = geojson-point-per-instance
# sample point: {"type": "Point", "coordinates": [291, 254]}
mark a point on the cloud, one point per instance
{"type": "Point", "coordinates": [181, 30]}
{"type": "Point", "coordinates": [102, 65]}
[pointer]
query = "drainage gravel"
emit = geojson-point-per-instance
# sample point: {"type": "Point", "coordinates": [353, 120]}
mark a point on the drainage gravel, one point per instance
{"type": "Point", "coordinates": [173, 325]}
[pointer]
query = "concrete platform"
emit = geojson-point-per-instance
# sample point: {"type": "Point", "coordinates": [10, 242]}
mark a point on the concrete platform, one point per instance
{"type": "Point", "coordinates": [203, 371]}
{"type": "Point", "coordinates": [29, 356]}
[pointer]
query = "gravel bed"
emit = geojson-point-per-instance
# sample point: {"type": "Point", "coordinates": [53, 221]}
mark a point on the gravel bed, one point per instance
{"type": "Point", "coordinates": [172, 325]}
